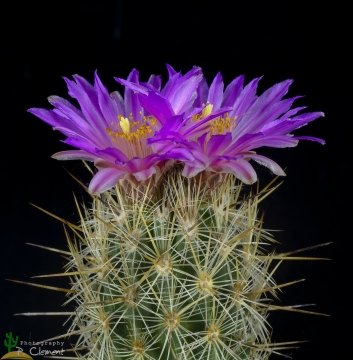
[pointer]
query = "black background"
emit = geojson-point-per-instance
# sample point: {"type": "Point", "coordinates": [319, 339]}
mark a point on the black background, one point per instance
{"type": "Point", "coordinates": [41, 43]}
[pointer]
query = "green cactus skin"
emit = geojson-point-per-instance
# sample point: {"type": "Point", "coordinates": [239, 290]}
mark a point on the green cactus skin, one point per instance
{"type": "Point", "coordinates": [11, 342]}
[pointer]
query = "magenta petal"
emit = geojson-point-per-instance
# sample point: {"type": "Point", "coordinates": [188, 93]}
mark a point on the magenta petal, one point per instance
{"type": "Point", "coordinates": [215, 94]}
{"type": "Point", "coordinates": [182, 96]}
{"type": "Point", "coordinates": [218, 144]}
{"type": "Point", "coordinates": [157, 106]}
{"type": "Point", "coordinates": [137, 164]}
{"type": "Point", "coordinates": [84, 93]}
{"type": "Point", "coordinates": [119, 102]}
{"type": "Point", "coordinates": [180, 154]}
{"type": "Point", "coordinates": [232, 91]}
{"type": "Point", "coordinates": [71, 112]}
{"type": "Point", "coordinates": [292, 112]}
{"type": "Point", "coordinates": [113, 155]}
{"type": "Point", "coordinates": [266, 108]}
{"type": "Point", "coordinates": [74, 155]}
{"type": "Point", "coordinates": [103, 164]}
{"type": "Point", "coordinates": [190, 170]}
{"type": "Point", "coordinates": [133, 86]}
{"type": "Point", "coordinates": [170, 85]}
{"type": "Point", "coordinates": [171, 71]}
{"type": "Point", "coordinates": [321, 141]}
{"type": "Point", "coordinates": [273, 166]}
{"type": "Point", "coordinates": [155, 81]}
{"type": "Point", "coordinates": [132, 103]}
{"type": "Point", "coordinates": [202, 93]}
{"type": "Point", "coordinates": [273, 94]}
{"type": "Point", "coordinates": [201, 140]}
{"type": "Point", "coordinates": [104, 180]}
{"type": "Point", "coordinates": [308, 116]}
{"type": "Point", "coordinates": [261, 119]}
{"type": "Point", "coordinates": [81, 143]}
{"type": "Point", "coordinates": [280, 141]}
{"type": "Point", "coordinates": [75, 121]}
{"type": "Point", "coordinates": [241, 169]}
{"type": "Point", "coordinates": [145, 174]}
{"type": "Point", "coordinates": [54, 119]}
{"type": "Point", "coordinates": [246, 98]}
{"type": "Point", "coordinates": [108, 106]}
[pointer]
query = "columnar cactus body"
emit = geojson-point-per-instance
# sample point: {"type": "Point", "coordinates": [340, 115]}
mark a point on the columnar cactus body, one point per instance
{"type": "Point", "coordinates": [176, 271]}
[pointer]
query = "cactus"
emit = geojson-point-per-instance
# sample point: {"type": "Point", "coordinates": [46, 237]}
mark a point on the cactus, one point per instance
{"type": "Point", "coordinates": [171, 261]}
{"type": "Point", "coordinates": [181, 270]}
{"type": "Point", "coordinates": [11, 342]}
{"type": "Point", "coordinates": [175, 274]}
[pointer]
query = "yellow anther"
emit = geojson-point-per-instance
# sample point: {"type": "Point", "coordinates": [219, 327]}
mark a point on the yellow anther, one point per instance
{"type": "Point", "coordinates": [135, 123]}
{"type": "Point", "coordinates": [125, 125]}
{"type": "Point", "coordinates": [222, 125]}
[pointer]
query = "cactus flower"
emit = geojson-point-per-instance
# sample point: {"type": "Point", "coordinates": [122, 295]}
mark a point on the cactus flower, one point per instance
{"type": "Point", "coordinates": [108, 130]}
{"type": "Point", "coordinates": [221, 129]}
{"type": "Point", "coordinates": [171, 261]}
{"type": "Point", "coordinates": [185, 121]}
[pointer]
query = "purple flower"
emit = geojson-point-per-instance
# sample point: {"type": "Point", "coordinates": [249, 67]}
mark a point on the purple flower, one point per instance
{"type": "Point", "coordinates": [109, 131]}
{"type": "Point", "coordinates": [221, 128]}
{"type": "Point", "coordinates": [205, 128]}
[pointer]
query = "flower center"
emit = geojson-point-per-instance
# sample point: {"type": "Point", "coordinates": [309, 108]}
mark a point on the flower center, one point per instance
{"type": "Point", "coordinates": [130, 136]}
{"type": "Point", "coordinates": [219, 125]}
{"type": "Point", "coordinates": [126, 126]}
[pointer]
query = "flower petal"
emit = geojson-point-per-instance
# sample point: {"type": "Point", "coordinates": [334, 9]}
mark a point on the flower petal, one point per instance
{"type": "Point", "coordinates": [74, 155]}
{"type": "Point", "coordinates": [104, 180]}
{"type": "Point", "coordinates": [202, 93]}
{"type": "Point", "coordinates": [215, 95]}
{"type": "Point", "coordinates": [241, 169]}
{"type": "Point", "coordinates": [108, 106]}
{"type": "Point", "coordinates": [132, 103]}
{"type": "Point", "coordinates": [145, 174]}
{"type": "Point", "coordinates": [232, 91]}
{"type": "Point", "coordinates": [157, 106]}
{"type": "Point", "coordinates": [113, 155]}
{"type": "Point", "coordinates": [321, 141]}
{"type": "Point", "coordinates": [218, 144]}
{"type": "Point", "coordinates": [84, 93]}
{"type": "Point", "coordinates": [180, 154]}
{"type": "Point", "coordinates": [273, 166]}
{"type": "Point", "coordinates": [155, 81]}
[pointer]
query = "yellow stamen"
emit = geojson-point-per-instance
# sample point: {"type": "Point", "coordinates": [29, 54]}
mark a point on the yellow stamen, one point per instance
{"type": "Point", "coordinates": [222, 125]}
